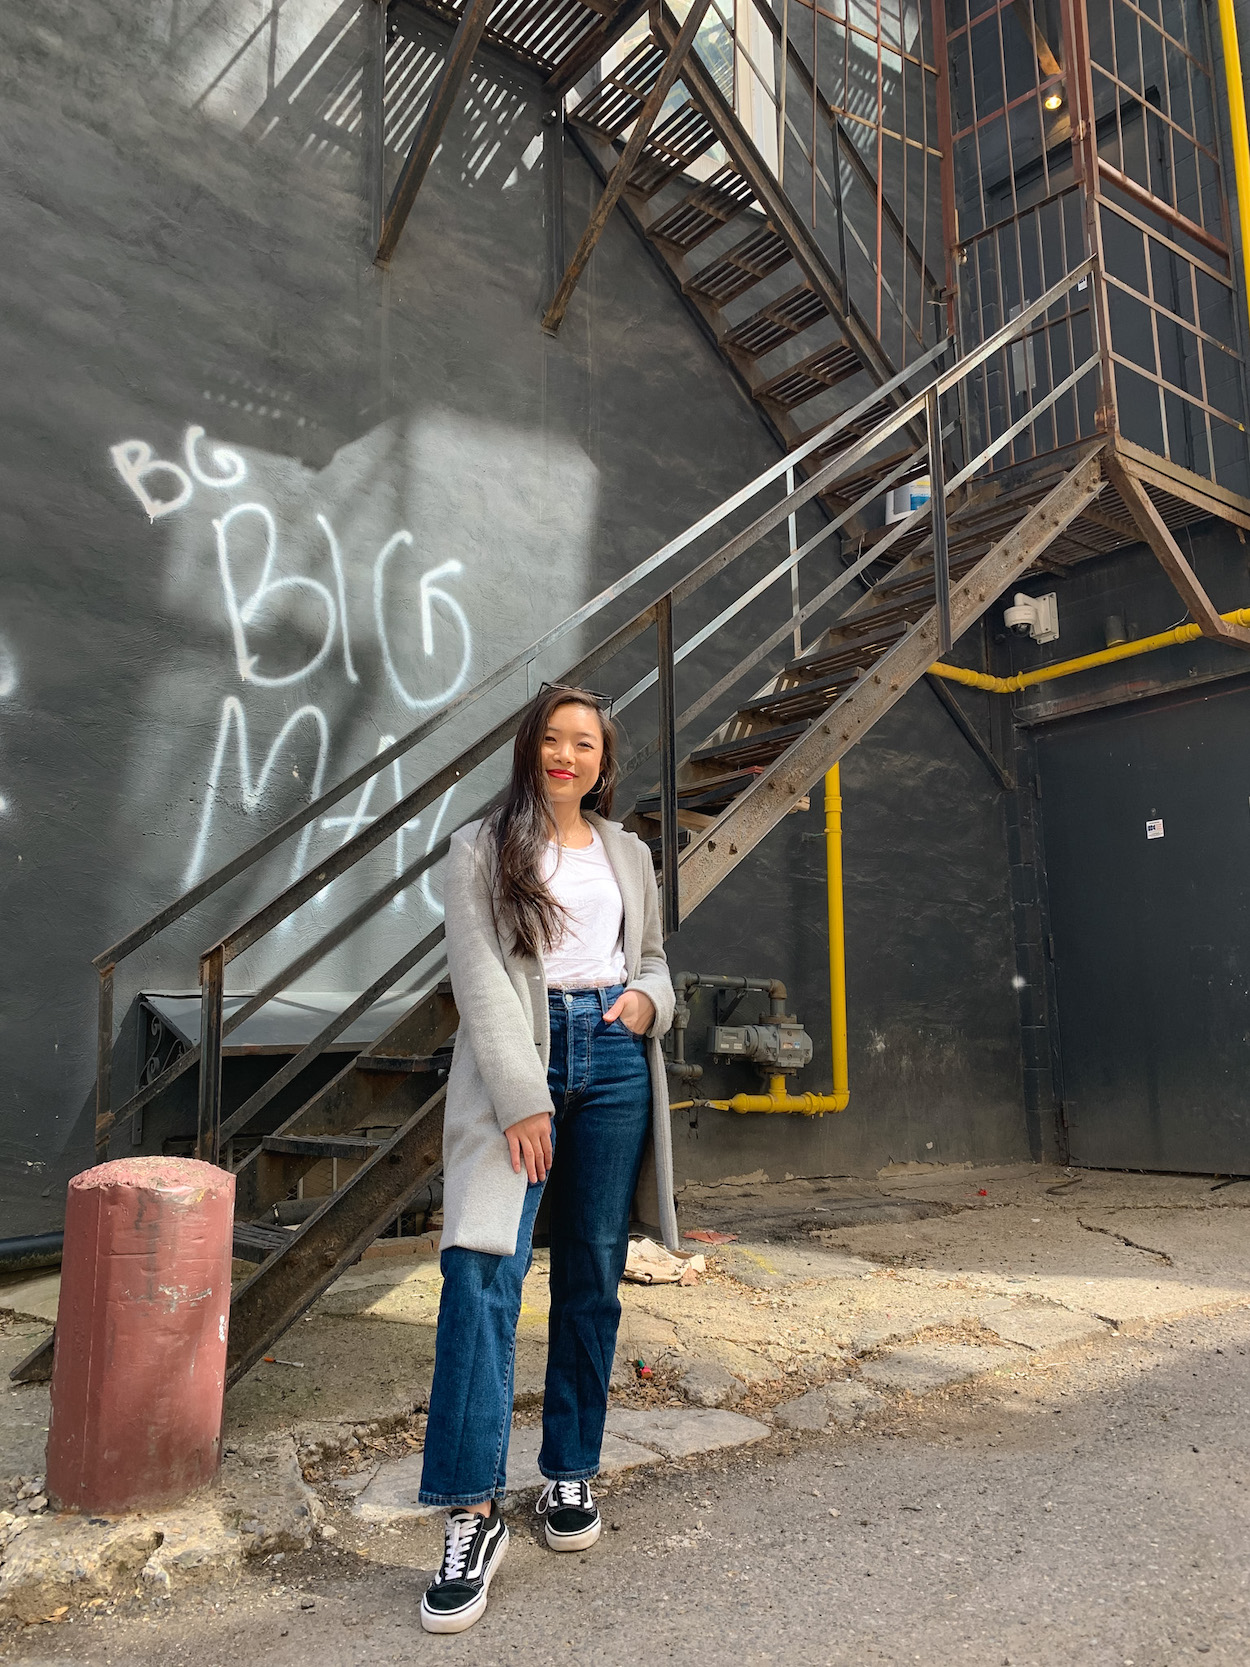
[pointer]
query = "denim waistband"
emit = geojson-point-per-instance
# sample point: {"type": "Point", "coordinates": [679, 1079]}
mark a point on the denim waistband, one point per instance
{"type": "Point", "coordinates": [597, 998]}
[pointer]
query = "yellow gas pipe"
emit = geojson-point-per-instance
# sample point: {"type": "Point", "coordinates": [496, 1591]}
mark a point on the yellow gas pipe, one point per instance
{"type": "Point", "coordinates": [1067, 668]}
{"type": "Point", "coordinates": [815, 1105]}
{"type": "Point", "coordinates": [1237, 125]}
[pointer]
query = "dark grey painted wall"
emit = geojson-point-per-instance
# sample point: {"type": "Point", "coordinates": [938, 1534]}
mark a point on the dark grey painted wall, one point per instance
{"type": "Point", "coordinates": [182, 219]}
{"type": "Point", "coordinates": [934, 1047]}
{"type": "Point", "coordinates": [1132, 586]}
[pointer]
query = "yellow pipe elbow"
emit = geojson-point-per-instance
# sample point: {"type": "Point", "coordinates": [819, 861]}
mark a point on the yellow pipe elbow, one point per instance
{"type": "Point", "coordinates": [777, 1099]}
{"type": "Point", "coordinates": [1086, 662]}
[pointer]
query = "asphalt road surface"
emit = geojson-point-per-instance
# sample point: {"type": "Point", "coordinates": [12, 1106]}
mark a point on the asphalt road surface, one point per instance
{"type": "Point", "coordinates": [1090, 1512]}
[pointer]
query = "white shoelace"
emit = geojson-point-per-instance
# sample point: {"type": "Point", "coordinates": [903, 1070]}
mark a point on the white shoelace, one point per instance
{"type": "Point", "coordinates": [460, 1531]}
{"type": "Point", "coordinates": [556, 1494]}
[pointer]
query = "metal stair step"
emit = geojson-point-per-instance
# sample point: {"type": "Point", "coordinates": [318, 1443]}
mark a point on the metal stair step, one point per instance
{"type": "Point", "coordinates": [656, 845]}
{"type": "Point", "coordinates": [801, 700]}
{"type": "Point", "coordinates": [750, 749]}
{"type": "Point", "coordinates": [854, 486]}
{"type": "Point", "coordinates": [401, 1064]}
{"type": "Point", "coordinates": [846, 436]}
{"type": "Point", "coordinates": [813, 375]}
{"type": "Point", "coordinates": [844, 645]}
{"type": "Point", "coordinates": [704, 211]}
{"type": "Point", "coordinates": [256, 1241]}
{"type": "Point", "coordinates": [740, 268]}
{"type": "Point", "coordinates": [673, 148]}
{"type": "Point", "coordinates": [319, 1145]}
{"type": "Point", "coordinates": [780, 321]}
{"type": "Point", "coordinates": [712, 794]}
{"type": "Point", "coordinates": [615, 102]}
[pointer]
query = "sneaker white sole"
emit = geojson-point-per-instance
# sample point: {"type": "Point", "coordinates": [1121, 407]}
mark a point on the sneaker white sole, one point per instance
{"type": "Point", "coordinates": [573, 1542]}
{"type": "Point", "coordinates": [434, 1621]}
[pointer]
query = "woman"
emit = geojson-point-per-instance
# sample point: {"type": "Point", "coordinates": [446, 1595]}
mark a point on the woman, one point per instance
{"type": "Point", "coordinates": [557, 963]}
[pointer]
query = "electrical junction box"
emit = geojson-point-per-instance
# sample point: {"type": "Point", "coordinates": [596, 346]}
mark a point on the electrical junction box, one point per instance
{"type": "Point", "coordinates": [784, 1047]}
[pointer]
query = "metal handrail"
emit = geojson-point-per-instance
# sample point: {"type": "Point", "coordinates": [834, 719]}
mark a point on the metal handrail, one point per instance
{"type": "Point", "coordinates": [658, 612]}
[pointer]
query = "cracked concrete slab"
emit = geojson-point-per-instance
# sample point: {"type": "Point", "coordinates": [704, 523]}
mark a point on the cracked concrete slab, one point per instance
{"type": "Point", "coordinates": [850, 1400]}
{"type": "Point", "coordinates": [24, 1407]}
{"type": "Point", "coordinates": [678, 1434]}
{"type": "Point", "coordinates": [1039, 1327]}
{"type": "Point", "coordinates": [707, 1383]}
{"type": "Point", "coordinates": [929, 1366]}
{"type": "Point", "coordinates": [390, 1494]}
{"type": "Point", "coordinates": [34, 1298]}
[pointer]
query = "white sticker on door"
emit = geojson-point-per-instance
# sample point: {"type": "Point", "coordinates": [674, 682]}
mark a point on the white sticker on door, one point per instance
{"type": "Point", "coordinates": [1154, 830]}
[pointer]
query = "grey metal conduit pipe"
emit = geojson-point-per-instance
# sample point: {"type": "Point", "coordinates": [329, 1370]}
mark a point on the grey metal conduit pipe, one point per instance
{"type": "Point", "coordinates": [685, 982]}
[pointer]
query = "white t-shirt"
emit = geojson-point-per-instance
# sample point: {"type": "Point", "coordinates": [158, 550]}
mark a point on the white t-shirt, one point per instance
{"type": "Point", "coordinates": [591, 951]}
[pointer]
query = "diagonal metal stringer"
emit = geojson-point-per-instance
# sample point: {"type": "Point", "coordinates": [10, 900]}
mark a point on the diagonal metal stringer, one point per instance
{"type": "Point", "coordinates": [619, 177]}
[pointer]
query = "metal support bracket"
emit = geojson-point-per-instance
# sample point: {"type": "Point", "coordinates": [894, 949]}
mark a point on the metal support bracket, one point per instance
{"type": "Point", "coordinates": [1155, 531]}
{"type": "Point", "coordinates": [473, 21]}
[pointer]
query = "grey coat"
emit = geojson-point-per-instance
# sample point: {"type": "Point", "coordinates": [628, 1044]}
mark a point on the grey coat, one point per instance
{"type": "Point", "coordinates": [499, 1068]}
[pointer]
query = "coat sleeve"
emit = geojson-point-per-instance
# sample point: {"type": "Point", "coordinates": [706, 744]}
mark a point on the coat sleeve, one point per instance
{"type": "Point", "coordinates": [490, 1009]}
{"type": "Point", "coordinates": [653, 977]}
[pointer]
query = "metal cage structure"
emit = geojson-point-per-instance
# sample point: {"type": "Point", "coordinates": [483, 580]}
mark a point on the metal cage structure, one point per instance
{"type": "Point", "coordinates": [1079, 128]}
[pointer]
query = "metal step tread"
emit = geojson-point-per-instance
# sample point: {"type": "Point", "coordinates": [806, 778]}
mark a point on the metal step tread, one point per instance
{"type": "Point", "coordinates": [815, 374]}
{"type": "Point", "coordinates": [739, 269]}
{"type": "Point", "coordinates": [256, 1241]}
{"type": "Point", "coordinates": [780, 321]}
{"type": "Point", "coordinates": [799, 698]}
{"type": "Point", "coordinates": [406, 1064]}
{"type": "Point", "coordinates": [615, 102]}
{"type": "Point", "coordinates": [671, 149]}
{"type": "Point", "coordinates": [319, 1145]}
{"type": "Point", "coordinates": [702, 795]}
{"type": "Point", "coordinates": [750, 749]}
{"type": "Point", "coordinates": [704, 211]}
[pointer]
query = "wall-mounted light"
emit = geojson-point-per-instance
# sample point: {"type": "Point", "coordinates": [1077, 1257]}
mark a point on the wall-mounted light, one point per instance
{"type": "Point", "coordinates": [1053, 100]}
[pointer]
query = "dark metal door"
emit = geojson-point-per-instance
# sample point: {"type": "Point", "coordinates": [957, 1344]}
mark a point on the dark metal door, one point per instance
{"type": "Point", "coordinates": [1146, 817]}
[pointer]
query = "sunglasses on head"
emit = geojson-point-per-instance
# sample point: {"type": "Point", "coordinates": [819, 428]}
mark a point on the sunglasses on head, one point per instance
{"type": "Point", "coordinates": [602, 702]}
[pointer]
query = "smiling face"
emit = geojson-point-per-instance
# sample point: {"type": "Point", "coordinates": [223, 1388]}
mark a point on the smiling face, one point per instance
{"type": "Point", "coordinates": [572, 752]}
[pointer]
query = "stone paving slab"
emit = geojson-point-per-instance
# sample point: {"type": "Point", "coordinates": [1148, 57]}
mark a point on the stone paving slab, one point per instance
{"type": "Point", "coordinates": [850, 1401]}
{"type": "Point", "coordinates": [391, 1495]}
{"type": "Point", "coordinates": [841, 1403]}
{"type": "Point", "coordinates": [1053, 1329]}
{"type": "Point", "coordinates": [930, 1366]}
{"type": "Point", "coordinates": [678, 1434]}
{"type": "Point", "coordinates": [769, 1267]}
{"type": "Point", "coordinates": [35, 1297]}
{"type": "Point", "coordinates": [805, 1412]}
{"type": "Point", "coordinates": [706, 1383]}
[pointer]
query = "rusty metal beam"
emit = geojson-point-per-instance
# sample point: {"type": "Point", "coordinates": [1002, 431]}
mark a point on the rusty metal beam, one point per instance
{"type": "Point", "coordinates": [619, 177]}
{"type": "Point", "coordinates": [473, 21]}
{"type": "Point", "coordinates": [1154, 530]}
{"type": "Point", "coordinates": [784, 782]}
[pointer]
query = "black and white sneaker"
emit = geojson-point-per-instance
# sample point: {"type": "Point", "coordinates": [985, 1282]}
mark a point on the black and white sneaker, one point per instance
{"type": "Point", "coordinates": [573, 1522]}
{"type": "Point", "coordinates": [474, 1548]}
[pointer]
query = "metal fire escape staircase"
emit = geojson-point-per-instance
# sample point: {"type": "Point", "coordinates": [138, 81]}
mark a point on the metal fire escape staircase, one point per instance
{"type": "Point", "coordinates": [882, 619]}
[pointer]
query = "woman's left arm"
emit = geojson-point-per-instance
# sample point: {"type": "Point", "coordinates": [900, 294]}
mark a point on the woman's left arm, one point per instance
{"type": "Point", "coordinates": [653, 980]}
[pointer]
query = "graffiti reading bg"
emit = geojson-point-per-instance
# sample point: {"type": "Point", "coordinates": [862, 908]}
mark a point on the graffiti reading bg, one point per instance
{"type": "Point", "coordinates": [270, 612]}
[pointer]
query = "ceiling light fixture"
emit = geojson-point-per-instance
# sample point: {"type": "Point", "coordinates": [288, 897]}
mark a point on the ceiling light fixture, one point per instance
{"type": "Point", "coordinates": [1052, 101]}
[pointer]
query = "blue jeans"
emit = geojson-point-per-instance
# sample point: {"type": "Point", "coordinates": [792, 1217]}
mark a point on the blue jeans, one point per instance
{"type": "Point", "coordinates": [601, 1089]}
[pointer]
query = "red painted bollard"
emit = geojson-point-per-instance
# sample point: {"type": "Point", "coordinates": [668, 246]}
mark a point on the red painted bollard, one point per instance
{"type": "Point", "coordinates": [139, 1371]}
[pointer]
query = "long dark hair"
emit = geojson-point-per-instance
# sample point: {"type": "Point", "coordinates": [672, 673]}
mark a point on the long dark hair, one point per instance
{"type": "Point", "coordinates": [524, 908]}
